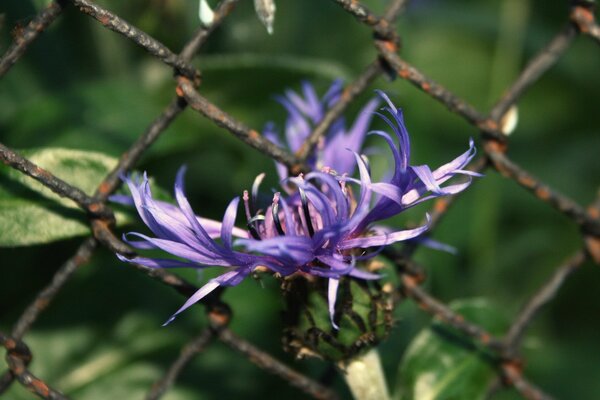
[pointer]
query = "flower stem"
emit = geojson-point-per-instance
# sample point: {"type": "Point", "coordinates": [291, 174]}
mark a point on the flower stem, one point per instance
{"type": "Point", "coordinates": [364, 375]}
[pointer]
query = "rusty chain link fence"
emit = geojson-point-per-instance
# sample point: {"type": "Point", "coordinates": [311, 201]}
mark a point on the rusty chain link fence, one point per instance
{"type": "Point", "coordinates": [579, 24]}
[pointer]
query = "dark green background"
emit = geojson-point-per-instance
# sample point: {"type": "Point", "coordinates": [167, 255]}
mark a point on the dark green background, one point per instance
{"type": "Point", "coordinates": [81, 86]}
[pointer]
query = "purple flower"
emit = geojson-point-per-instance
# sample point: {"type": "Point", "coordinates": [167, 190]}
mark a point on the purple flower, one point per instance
{"type": "Point", "coordinates": [320, 228]}
{"type": "Point", "coordinates": [305, 112]}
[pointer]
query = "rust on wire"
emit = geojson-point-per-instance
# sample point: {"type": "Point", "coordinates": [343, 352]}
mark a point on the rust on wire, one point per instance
{"type": "Point", "coordinates": [162, 122]}
{"type": "Point", "coordinates": [247, 135]}
{"type": "Point", "coordinates": [141, 38]}
{"type": "Point", "coordinates": [18, 357]}
{"type": "Point", "coordinates": [583, 17]}
{"type": "Point", "coordinates": [387, 59]}
{"type": "Point", "coordinates": [89, 204]}
{"type": "Point", "coordinates": [543, 192]}
{"type": "Point", "coordinates": [272, 365]}
{"type": "Point", "coordinates": [541, 63]}
{"type": "Point", "coordinates": [25, 36]}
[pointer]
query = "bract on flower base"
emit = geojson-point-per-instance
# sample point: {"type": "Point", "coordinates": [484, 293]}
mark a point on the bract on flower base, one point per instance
{"type": "Point", "coordinates": [363, 313]}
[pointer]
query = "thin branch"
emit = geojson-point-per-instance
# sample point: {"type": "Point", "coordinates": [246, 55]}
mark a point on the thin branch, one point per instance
{"type": "Point", "coordinates": [17, 357]}
{"type": "Point", "coordinates": [583, 17]}
{"type": "Point", "coordinates": [395, 9]}
{"type": "Point", "coordinates": [25, 36]}
{"type": "Point", "coordinates": [372, 71]}
{"type": "Point", "coordinates": [187, 354]}
{"type": "Point", "coordinates": [435, 307]}
{"type": "Point", "coordinates": [513, 376]}
{"type": "Point", "coordinates": [139, 37]}
{"type": "Point", "coordinates": [223, 9]}
{"type": "Point", "coordinates": [543, 192]}
{"type": "Point", "coordinates": [135, 152]}
{"type": "Point", "coordinates": [238, 129]}
{"type": "Point", "coordinates": [542, 297]}
{"type": "Point", "coordinates": [359, 11]}
{"type": "Point", "coordinates": [162, 122]}
{"type": "Point", "coordinates": [45, 297]}
{"type": "Point", "coordinates": [437, 212]}
{"type": "Point", "coordinates": [455, 104]}
{"type": "Point", "coordinates": [383, 28]}
{"type": "Point", "coordinates": [270, 364]}
{"type": "Point", "coordinates": [541, 63]}
{"type": "Point", "coordinates": [348, 95]}
{"type": "Point", "coordinates": [57, 185]}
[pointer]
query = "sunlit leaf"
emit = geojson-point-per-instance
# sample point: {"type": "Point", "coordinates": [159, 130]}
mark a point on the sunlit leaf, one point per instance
{"type": "Point", "coordinates": [31, 214]}
{"type": "Point", "coordinates": [441, 363]}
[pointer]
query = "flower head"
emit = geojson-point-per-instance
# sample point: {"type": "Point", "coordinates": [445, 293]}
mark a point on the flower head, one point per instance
{"type": "Point", "coordinates": [320, 228]}
{"type": "Point", "coordinates": [305, 112]}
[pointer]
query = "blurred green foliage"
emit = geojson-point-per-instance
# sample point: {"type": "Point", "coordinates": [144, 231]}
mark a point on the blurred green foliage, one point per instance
{"type": "Point", "coordinates": [83, 87]}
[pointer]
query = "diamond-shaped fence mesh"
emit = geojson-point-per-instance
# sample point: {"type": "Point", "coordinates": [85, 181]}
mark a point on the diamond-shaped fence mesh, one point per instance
{"type": "Point", "coordinates": [579, 24]}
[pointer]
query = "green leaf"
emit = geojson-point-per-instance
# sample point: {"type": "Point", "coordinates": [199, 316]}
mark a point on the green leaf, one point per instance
{"type": "Point", "coordinates": [441, 363]}
{"type": "Point", "coordinates": [115, 364]}
{"type": "Point", "coordinates": [32, 214]}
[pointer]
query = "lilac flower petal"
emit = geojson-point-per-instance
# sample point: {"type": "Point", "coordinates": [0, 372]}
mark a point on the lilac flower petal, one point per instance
{"type": "Point", "coordinates": [138, 244]}
{"type": "Point", "coordinates": [314, 105]}
{"type": "Point", "coordinates": [228, 221]}
{"type": "Point", "coordinates": [158, 262]}
{"type": "Point", "coordinates": [458, 163]}
{"type": "Point", "coordinates": [320, 272]}
{"type": "Point", "coordinates": [297, 128]}
{"type": "Point", "coordinates": [360, 274]}
{"type": "Point", "coordinates": [299, 103]}
{"type": "Point", "coordinates": [338, 266]}
{"type": "Point", "coordinates": [230, 278]}
{"type": "Point", "coordinates": [361, 123]}
{"type": "Point", "coordinates": [121, 199]}
{"type": "Point", "coordinates": [173, 229]}
{"type": "Point", "coordinates": [321, 203]}
{"type": "Point", "coordinates": [138, 197]}
{"type": "Point", "coordinates": [383, 240]}
{"type": "Point", "coordinates": [413, 197]}
{"type": "Point", "coordinates": [338, 160]}
{"type": "Point", "coordinates": [202, 236]}
{"type": "Point", "coordinates": [399, 128]}
{"type": "Point", "coordinates": [362, 206]}
{"type": "Point", "coordinates": [333, 93]}
{"type": "Point", "coordinates": [305, 111]}
{"type": "Point", "coordinates": [290, 228]}
{"type": "Point", "coordinates": [340, 200]}
{"type": "Point", "coordinates": [294, 250]}
{"type": "Point", "coordinates": [436, 245]}
{"type": "Point", "coordinates": [426, 176]}
{"type": "Point", "coordinates": [201, 293]}
{"type": "Point", "coordinates": [213, 228]}
{"type": "Point", "coordinates": [469, 173]}
{"type": "Point", "coordinates": [388, 190]}
{"type": "Point", "coordinates": [331, 298]}
{"type": "Point", "coordinates": [183, 251]}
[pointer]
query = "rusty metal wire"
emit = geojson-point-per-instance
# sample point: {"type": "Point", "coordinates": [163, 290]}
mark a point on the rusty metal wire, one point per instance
{"type": "Point", "coordinates": [579, 22]}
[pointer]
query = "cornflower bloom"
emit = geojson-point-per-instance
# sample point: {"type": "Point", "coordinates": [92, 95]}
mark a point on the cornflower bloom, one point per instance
{"type": "Point", "coordinates": [321, 227]}
{"type": "Point", "coordinates": [305, 112]}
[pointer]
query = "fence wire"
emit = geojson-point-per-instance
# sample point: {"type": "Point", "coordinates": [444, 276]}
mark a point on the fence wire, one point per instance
{"type": "Point", "coordinates": [580, 21]}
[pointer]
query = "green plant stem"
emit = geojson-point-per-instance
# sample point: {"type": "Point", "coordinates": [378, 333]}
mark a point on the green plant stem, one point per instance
{"type": "Point", "coordinates": [364, 376]}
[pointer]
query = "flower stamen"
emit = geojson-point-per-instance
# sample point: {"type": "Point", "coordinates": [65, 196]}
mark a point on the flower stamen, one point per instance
{"type": "Point", "coordinates": [306, 211]}
{"type": "Point", "coordinates": [275, 212]}
{"type": "Point", "coordinates": [252, 228]}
